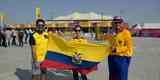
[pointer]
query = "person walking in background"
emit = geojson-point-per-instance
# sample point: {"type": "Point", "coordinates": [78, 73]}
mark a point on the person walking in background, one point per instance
{"type": "Point", "coordinates": [1, 37]}
{"type": "Point", "coordinates": [14, 35]}
{"type": "Point", "coordinates": [26, 35]}
{"type": "Point", "coordinates": [8, 37]}
{"type": "Point", "coordinates": [20, 37]}
{"type": "Point", "coordinates": [4, 38]}
{"type": "Point", "coordinates": [31, 31]}
{"type": "Point", "coordinates": [39, 42]}
{"type": "Point", "coordinates": [121, 52]}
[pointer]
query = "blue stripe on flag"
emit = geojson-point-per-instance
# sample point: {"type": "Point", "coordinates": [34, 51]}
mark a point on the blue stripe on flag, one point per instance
{"type": "Point", "coordinates": [68, 60]}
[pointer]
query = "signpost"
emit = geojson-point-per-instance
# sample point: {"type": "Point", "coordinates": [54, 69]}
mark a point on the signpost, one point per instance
{"type": "Point", "coordinates": [1, 20]}
{"type": "Point", "coordinates": [38, 13]}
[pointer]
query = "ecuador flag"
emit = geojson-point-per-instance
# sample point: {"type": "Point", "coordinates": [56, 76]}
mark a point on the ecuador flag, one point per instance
{"type": "Point", "coordinates": [76, 54]}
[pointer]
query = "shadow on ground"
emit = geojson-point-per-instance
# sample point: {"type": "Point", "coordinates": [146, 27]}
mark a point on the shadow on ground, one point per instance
{"type": "Point", "coordinates": [23, 74]}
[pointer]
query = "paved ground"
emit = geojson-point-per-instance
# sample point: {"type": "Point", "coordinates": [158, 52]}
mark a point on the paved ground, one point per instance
{"type": "Point", "coordinates": [145, 65]}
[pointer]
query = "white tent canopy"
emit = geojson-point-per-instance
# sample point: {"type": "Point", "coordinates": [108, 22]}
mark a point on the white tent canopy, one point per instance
{"type": "Point", "coordinates": [81, 16]}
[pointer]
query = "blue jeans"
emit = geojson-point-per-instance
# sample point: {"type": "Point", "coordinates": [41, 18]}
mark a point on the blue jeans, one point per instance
{"type": "Point", "coordinates": [118, 67]}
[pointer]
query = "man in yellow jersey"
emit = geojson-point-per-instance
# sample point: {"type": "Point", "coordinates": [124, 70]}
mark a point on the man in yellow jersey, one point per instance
{"type": "Point", "coordinates": [39, 42]}
{"type": "Point", "coordinates": [122, 51]}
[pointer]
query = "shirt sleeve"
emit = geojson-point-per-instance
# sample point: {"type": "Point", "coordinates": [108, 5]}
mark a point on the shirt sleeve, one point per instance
{"type": "Point", "coordinates": [31, 40]}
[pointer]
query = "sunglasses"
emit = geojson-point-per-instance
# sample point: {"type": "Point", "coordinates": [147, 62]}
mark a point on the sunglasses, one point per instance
{"type": "Point", "coordinates": [41, 25]}
{"type": "Point", "coordinates": [77, 30]}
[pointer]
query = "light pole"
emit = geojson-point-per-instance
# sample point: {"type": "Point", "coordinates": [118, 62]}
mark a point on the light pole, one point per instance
{"type": "Point", "coordinates": [1, 20]}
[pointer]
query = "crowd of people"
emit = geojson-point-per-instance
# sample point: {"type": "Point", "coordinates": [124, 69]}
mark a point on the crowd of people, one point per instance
{"type": "Point", "coordinates": [14, 37]}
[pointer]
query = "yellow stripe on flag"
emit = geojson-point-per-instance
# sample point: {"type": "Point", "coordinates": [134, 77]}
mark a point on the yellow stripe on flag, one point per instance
{"type": "Point", "coordinates": [88, 51]}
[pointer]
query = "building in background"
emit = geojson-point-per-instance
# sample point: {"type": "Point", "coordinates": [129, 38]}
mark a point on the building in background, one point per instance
{"type": "Point", "coordinates": [146, 30]}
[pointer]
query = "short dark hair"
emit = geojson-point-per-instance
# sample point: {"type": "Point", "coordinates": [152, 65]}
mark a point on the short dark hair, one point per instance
{"type": "Point", "coordinates": [40, 20]}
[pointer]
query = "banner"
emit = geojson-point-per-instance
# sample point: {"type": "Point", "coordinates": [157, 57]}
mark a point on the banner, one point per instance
{"type": "Point", "coordinates": [74, 54]}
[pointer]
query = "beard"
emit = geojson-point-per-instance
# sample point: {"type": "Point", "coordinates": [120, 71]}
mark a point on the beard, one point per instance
{"type": "Point", "coordinates": [39, 30]}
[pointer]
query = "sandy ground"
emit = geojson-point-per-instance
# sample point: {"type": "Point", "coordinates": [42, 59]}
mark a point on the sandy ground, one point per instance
{"type": "Point", "coordinates": [145, 65]}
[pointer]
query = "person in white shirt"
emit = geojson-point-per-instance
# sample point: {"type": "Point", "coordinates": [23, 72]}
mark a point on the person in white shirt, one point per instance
{"type": "Point", "coordinates": [8, 36]}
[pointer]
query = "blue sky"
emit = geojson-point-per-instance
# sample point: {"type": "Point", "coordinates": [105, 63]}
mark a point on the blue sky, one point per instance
{"type": "Point", "coordinates": [134, 11]}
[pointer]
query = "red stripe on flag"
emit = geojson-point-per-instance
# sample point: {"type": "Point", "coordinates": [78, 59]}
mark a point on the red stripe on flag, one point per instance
{"type": "Point", "coordinates": [57, 65]}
